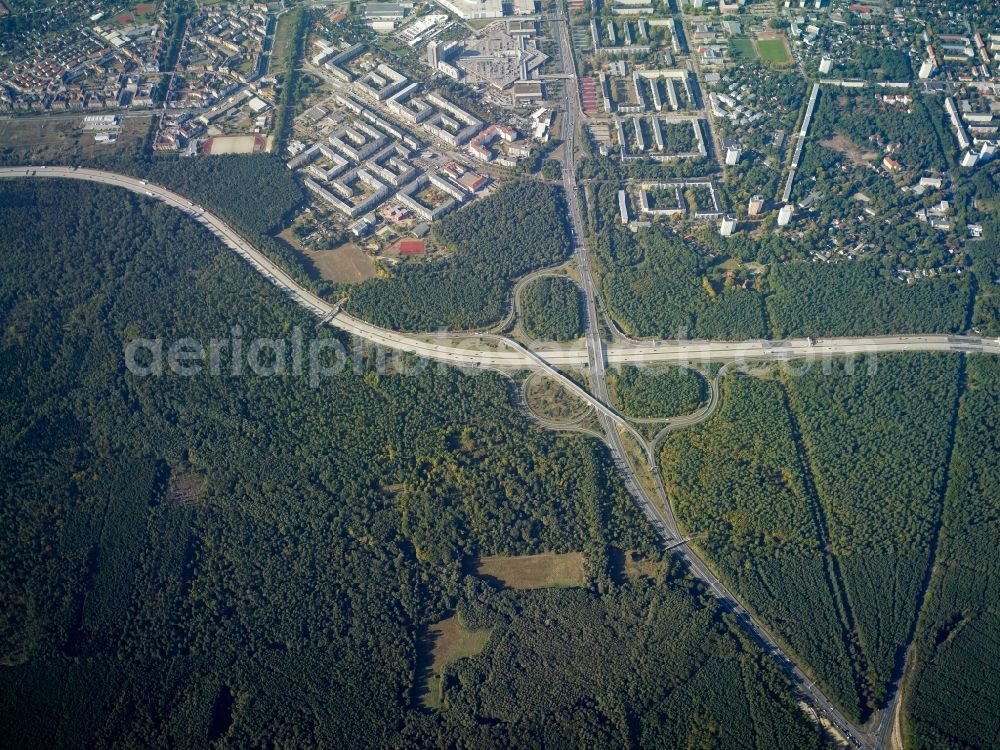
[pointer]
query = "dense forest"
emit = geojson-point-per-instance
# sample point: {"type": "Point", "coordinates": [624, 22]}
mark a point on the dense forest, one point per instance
{"type": "Point", "coordinates": [739, 484]}
{"type": "Point", "coordinates": [664, 391]}
{"type": "Point", "coordinates": [826, 496]}
{"type": "Point", "coordinates": [552, 309]}
{"type": "Point", "coordinates": [852, 299]}
{"type": "Point", "coordinates": [878, 434]}
{"type": "Point", "coordinates": [233, 185]}
{"type": "Point", "coordinates": [951, 700]}
{"type": "Point", "coordinates": [517, 229]}
{"type": "Point", "coordinates": [876, 64]}
{"type": "Point", "coordinates": [183, 553]}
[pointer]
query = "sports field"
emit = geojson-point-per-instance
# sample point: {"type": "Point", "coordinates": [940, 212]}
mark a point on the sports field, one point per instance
{"type": "Point", "coordinates": [741, 48]}
{"type": "Point", "coordinates": [773, 51]}
{"type": "Point", "coordinates": [234, 144]}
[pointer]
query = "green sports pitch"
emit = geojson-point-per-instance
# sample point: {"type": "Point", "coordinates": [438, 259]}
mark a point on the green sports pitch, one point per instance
{"type": "Point", "coordinates": [773, 51]}
{"type": "Point", "coordinates": [741, 48]}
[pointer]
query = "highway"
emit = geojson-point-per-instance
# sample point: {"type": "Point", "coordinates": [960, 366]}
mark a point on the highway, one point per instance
{"type": "Point", "coordinates": [497, 352]}
{"type": "Point", "coordinates": [660, 514]}
{"type": "Point", "coordinates": [491, 351]}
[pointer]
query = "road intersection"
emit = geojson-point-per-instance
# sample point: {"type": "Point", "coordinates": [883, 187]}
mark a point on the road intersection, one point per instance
{"type": "Point", "coordinates": [491, 351]}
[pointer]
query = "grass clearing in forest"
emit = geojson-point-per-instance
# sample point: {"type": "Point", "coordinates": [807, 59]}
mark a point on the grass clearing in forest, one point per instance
{"type": "Point", "coordinates": [184, 488]}
{"type": "Point", "coordinates": [547, 570]}
{"type": "Point", "coordinates": [840, 143]}
{"type": "Point", "coordinates": [631, 565]}
{"type": "Point", "coordinates": [444, 643]}
{"type": "Point", "coordinates": [347, 264]}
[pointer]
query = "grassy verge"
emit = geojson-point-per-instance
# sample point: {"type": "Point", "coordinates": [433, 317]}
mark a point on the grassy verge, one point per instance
{"type": "Point", "coordinates": [297, 21]}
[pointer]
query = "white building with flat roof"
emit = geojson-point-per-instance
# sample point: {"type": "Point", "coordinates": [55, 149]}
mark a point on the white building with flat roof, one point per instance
{"type": "Point", "coordinates": [785, 215]}
{"type": "Point", "coordinates": [467, 9]}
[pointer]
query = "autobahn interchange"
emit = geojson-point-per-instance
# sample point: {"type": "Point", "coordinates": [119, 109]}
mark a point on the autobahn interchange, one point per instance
{"type": "Point", "coordinates": [491, 351]}
{"type": "Point", "coordinates": [660, 514]}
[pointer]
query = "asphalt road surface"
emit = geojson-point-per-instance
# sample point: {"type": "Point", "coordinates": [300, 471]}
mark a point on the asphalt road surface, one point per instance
{"type": "Point", "coordinates": [497, 352]}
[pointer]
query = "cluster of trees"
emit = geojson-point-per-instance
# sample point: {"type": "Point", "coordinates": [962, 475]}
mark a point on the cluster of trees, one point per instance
{"type": "Point", "coordinates": [771, 247]}
{"type": "Point", "coordinates": [518, 229]}
{"type": "Point", "coordinates": [656, 286]}
{"type": "Point", "coordinates": [852, 299]}
{"type": "Point", "coordinates": [551, 169]}
{"type": "Point", "coordinates": [986, 262]}
{"type": "Point", "coordinates": [320, 530]}
{"type": "Point", "coordinates": [678, 137]}
{"type": "Point", "coordinates": [858, 115]}
{"type": "Point", "coordinates": [176, 14]}
{"type": "Point", "coordinates": [664, 391]}
{"type": "Point", "coordinates": [596, 167]}
{"type": "Point", "coordinates": [552, 309]}
{"type": "Point", "coordinates": [951, 700]}
{"type": "Point", "coordinates": [877, 64]}
{"type": "Point", "coordinates": [984, 186]}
